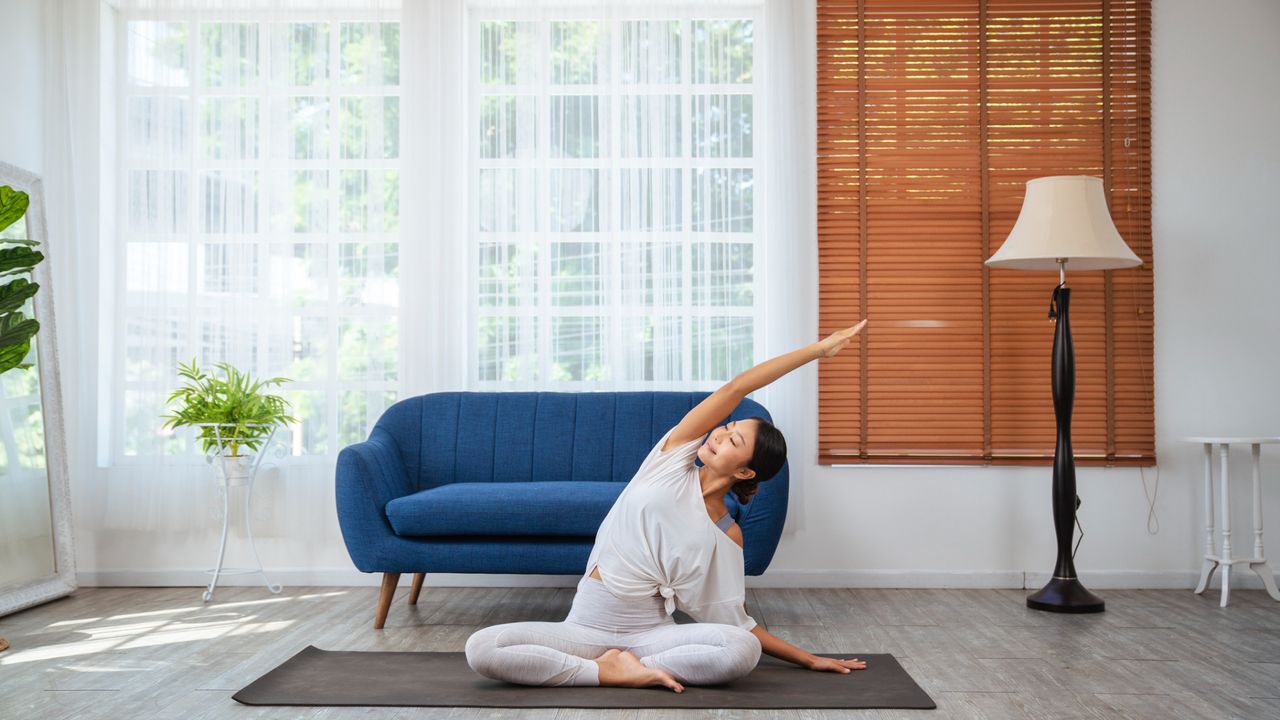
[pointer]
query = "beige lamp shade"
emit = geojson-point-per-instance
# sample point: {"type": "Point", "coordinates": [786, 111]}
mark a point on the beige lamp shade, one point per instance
{"type": "Point", "coordinates": [1064, 217]}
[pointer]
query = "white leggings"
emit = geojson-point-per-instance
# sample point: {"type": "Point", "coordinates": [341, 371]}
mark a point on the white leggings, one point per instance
{"type": "Point", "coordinates": [561, 653]}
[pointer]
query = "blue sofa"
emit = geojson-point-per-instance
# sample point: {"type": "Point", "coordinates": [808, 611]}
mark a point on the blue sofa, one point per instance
{"type": "Point", "coordinates": [513, 482]}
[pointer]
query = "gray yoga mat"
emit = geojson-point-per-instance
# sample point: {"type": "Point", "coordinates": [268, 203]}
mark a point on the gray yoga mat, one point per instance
{"type": "Point", "coordinates": [329, 677]}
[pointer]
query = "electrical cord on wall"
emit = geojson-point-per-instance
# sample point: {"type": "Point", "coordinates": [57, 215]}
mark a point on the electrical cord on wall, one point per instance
{"type": "Point", "coordinates": [1153, 521]}
{"type": "Point", "coordinates": [1078, 527]}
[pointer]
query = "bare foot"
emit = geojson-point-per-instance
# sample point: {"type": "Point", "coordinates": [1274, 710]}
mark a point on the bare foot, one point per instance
{"type": "Point", "coordinates": [621, 668]}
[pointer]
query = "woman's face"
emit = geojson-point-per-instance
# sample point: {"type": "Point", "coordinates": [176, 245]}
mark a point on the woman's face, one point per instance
{"type": "Point", "coordinates": [728, 448]}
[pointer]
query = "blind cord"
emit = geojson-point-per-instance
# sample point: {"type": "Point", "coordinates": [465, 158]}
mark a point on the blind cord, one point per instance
{"type": "Point", "coordinates": [1153, 520]}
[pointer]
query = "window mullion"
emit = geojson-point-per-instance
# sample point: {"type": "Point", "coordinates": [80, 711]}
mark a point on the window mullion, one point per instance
{"type": "Point", "coordinates": [542, 152]}
{"type": "Point", "coordinates": [688, 172]}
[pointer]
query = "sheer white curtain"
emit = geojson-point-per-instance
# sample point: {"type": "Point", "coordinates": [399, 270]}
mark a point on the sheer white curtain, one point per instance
{"type": "Point", "coordinates": [249, 197]}
{"type": "Point", "coordinates": [619, 207]}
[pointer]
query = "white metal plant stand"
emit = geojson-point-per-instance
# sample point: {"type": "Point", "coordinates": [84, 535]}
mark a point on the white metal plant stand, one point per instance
{"type": "Point", "coordinates": [237, 470]}
{"type": "Point", "coordinates": [1212, 559]}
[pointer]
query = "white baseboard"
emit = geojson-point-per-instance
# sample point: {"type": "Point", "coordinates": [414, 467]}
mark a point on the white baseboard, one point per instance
{"type": "Point", "coordinates": [782, 578]}
{"type": "Point", "coordinates": [886, 579]}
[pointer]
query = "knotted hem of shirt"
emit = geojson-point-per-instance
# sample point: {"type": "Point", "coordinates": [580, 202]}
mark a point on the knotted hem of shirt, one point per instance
{"type": "Point", "coordinates": [669, 594]}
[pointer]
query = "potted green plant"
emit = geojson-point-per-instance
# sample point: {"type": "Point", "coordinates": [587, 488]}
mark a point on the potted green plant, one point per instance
{"type": "Point", "coordinates": [231, 412]}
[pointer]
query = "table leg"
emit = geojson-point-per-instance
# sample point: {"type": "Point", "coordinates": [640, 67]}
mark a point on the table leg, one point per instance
{"type": "Point", "coordinates": [1260, 567]}
{"type": "Point", "coordinates": [1223, 453]}
{"type": "Point", "coordinates": [1208, 566]}
{"type": "Point", "coordinates": [1268, 578]}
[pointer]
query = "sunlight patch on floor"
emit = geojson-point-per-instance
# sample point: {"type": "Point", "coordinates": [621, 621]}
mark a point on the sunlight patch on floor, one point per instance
{"type": "Point", "coordinates": [224, 605]}
{"type": "Point", "coordinates": [131, 636]}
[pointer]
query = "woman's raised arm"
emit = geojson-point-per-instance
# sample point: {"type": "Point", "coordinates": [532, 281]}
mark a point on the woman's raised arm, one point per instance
{"type": "Point", "coordinates": [770, 370]}
{"type": "Point", "coordinates": [701, 419]}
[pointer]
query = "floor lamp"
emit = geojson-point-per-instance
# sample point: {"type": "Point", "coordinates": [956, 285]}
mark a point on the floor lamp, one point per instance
{"type": "Point", "coordinates": [1064, 222]}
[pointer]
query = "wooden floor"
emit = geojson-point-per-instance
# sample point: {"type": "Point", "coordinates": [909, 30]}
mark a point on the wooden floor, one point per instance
{"type": "Point", "coordinates": [161, 653]}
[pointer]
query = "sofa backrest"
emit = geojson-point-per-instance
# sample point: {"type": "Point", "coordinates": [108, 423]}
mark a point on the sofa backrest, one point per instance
{"type": "Point", "coordinates": [468, 436]}
{"type": "Point", "coordinates": [536, 436]}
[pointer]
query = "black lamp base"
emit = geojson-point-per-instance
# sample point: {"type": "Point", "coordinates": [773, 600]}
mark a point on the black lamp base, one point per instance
{"type": "Point", "coordinates": [1065, 596]}
{"type": "Point", "coordinates": [1064, 593]}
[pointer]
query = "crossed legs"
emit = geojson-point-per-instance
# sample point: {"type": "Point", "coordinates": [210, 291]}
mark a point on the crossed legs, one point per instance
{"type": "Point", "coordinates": [698, 653]}
{"type": "Point", "coordinates": [567, 653]}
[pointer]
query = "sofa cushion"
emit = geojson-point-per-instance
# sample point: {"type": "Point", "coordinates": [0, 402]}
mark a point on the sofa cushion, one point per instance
{"type": "Point", "coordinates": [505, 508]}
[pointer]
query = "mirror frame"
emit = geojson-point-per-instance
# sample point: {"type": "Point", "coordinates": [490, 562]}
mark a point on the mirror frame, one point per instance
{"type": "Point", "coordinates": [17, 596]}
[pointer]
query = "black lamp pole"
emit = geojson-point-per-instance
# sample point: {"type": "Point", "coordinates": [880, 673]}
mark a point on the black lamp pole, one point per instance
{"type": "Point", "coordinates": [1064, 593]}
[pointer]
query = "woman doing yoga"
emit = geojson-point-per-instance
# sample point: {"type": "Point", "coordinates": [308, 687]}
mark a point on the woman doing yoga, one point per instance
{"type": "Point", "coordinates": [668, 543]}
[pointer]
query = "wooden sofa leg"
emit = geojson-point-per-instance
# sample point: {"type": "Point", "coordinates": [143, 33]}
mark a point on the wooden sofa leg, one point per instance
{"type": "Point", "coordinates": [417, 587]}
{"type": "Point", "coordinates": [389, 582]}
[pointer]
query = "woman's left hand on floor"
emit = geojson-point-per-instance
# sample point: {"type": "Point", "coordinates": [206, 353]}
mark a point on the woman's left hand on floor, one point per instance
{"type": "Point", "coordinates": [837, 665]}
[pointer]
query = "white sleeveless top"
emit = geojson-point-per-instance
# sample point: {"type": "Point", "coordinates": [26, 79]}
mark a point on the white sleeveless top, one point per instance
{"type": "Point", "coordinates": [658, 538]}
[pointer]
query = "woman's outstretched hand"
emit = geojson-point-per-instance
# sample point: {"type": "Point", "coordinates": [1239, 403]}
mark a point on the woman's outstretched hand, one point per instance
{"type": "Point", "coordinates": [836, 341]}
{"type": "Point", "coordinates": [834, 665]}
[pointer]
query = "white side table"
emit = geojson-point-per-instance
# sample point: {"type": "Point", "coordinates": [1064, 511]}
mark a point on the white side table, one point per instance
{"type": "Point", "coordinates": [1212, 559]}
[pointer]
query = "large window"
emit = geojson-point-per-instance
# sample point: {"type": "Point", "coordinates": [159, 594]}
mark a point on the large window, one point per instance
{"type": "Point", "coordinates": [258, 185]}
{"type": "Point", "coordinates": [931, 118]}
{"type": "Point", "coordinates": [613, 212]}
{"type": "Point", "coordinates": [616, 213]}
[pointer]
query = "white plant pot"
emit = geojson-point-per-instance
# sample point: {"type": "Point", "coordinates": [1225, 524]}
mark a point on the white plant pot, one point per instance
{"type": "Point", "coordinates": [236, 469]}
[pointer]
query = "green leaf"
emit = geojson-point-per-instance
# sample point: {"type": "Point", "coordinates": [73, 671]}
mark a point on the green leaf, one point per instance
{"type": "Point", "coordinates": [11, 355]}
{"type": "Point", "coordinates": [19, 258]}
{"type": "Point", "coordinates": [16, 292]}
{"type": "Point", "coordinates": [16, 331]}
{"type": "Point", "coordinates": [13, 205]}
{"type": "Point", "coordinates": [15, 327]}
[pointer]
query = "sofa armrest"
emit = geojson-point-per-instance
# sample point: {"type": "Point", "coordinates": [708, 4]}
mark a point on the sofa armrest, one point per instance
{"type": "Point", "coordinates": [369, 475]}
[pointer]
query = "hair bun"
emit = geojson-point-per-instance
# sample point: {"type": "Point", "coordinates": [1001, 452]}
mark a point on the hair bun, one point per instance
{"type": "Point", "coordinates": [744, 490]}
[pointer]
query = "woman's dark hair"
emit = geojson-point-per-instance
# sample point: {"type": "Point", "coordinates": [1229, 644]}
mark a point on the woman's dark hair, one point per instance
{"type": "Point", "coordinates": [767, 458]}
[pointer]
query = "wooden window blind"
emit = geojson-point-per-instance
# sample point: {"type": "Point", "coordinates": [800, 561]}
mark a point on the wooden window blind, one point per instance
{"type": "Point", "coordinates": [932, 115]}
